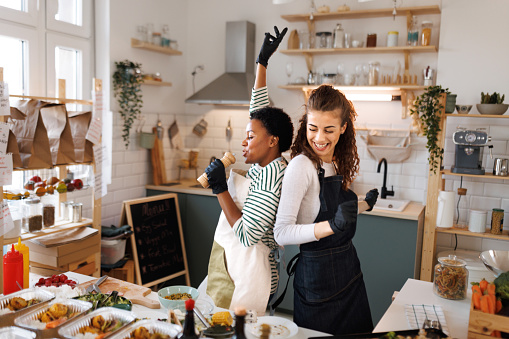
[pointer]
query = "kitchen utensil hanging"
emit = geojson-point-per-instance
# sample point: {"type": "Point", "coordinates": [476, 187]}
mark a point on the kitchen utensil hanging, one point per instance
{"type": "Point", "coordinates": [146, 140]}
{"type": "Point", "coordinates": [200, 129]}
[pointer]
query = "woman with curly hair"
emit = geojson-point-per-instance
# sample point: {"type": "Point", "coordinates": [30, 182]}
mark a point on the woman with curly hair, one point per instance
{"type": "Point", "coordinates": [318, 211]}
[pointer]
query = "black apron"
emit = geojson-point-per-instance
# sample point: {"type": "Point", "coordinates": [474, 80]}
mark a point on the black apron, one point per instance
{"type": "Point", "coordinates": [329, 291]}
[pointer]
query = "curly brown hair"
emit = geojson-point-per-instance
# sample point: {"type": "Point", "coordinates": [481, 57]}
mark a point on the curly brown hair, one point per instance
{"type": "Point", "coordinates": [327, 99]}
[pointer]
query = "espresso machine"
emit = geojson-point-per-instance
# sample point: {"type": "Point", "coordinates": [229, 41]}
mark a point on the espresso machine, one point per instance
{"type": "Point", "coordinates": [469, 150]}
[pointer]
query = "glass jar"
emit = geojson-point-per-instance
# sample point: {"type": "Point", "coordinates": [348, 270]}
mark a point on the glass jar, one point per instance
{"type": "Point", "coordinates": [373, 73]}
{"type": "Point", "coordinates": [156, 38]}
{"type": "Point", "coordinates": [339, 37]}
{"type": "Point", "coordinates": [165, 36]}
{"type": "Point", "coordinates": [48, 215]}
{"type": "Point", "coordinates": [371, 40]}
{"type": "Point", "coordinates": [451, 278]}
{"type": "Point", "coordinates": [323, 39]}
{"type": "Point", "coordinates": [426, 33]}
{"type": "Point", "coordinates": [32, 215]}
{"type": "Point", "coordinates": [413, 33]}
{"type": "Point", "coordinates": [497, 221]}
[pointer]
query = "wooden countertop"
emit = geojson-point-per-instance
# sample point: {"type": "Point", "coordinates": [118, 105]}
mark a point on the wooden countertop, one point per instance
{"type": "Point", "coordinates": [412, 212]}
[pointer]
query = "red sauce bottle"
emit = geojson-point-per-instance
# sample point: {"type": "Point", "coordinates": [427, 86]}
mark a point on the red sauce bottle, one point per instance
{"type": "Point", "coordinates": [13, 271]}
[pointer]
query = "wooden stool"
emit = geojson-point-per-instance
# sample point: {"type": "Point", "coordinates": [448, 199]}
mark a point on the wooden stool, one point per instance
{"type": "Point", "coordinates": [125, 273]}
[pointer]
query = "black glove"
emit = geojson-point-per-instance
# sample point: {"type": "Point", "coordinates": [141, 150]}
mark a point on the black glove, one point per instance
{"type": "Point", "coordinates": [371, 198]}
{"type": "Point", "coordinates": [346, 215]}
{"type": "Point", "coordinates": [270, 44]}
{"type": "Point", "coordinates": [217, 177]}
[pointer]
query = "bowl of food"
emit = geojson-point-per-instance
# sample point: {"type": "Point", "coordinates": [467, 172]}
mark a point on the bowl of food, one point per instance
{"type": "Point", "coordinates": [174, 297]}
{"type": "Point", "coordinates": [492, 109]}
{"type": "Point", "coordinates": [463, 109]}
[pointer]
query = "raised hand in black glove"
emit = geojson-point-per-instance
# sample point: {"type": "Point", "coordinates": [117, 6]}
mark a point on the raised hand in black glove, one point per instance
{"type": "Point", "coordinates": [371, 198]}
{"type": "Point", "coordinates": [216, 175]}
{"type": "Point", "coordinates": [270, 44]}
{"type": "Point", "coordinates": [346, 215]}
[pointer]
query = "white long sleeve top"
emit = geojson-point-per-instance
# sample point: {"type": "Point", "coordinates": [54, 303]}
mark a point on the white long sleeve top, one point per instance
{"type": "Point", "coordinates": [300, 202]}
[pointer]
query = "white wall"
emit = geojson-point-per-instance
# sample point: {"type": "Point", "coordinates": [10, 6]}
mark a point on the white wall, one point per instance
{"type": "Point", "coordinates": [471, 59]}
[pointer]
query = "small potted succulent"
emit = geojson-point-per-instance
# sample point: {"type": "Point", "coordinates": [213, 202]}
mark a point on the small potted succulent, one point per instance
{"type": "Point", "coordinates": [492, 104]}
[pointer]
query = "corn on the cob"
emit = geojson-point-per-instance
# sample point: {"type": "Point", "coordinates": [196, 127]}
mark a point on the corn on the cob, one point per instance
{"type": "Point", "coordinates": [222, 318]}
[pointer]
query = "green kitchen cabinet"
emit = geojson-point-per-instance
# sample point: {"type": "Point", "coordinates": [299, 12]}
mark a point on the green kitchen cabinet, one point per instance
{"type": "Point", "coordinates": [389, 250]}
{"type": "Point", "coordinates": [199, 215]}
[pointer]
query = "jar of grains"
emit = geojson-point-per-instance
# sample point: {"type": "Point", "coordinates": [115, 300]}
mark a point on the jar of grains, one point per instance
{"type": "Point", "coordinates": [32, 215]}
{"type": "Point", "coordinates": [426, 33]}
{"type": "Point", "coordinates": [48, 215]}
{"type": "Point", "coordinates": [497, 221]}
{"type": "Point", "coordinates": [451, 278]}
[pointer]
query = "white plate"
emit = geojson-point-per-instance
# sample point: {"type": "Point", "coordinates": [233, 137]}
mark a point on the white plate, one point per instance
{"type": "Point", "coordinates": [280, 328]}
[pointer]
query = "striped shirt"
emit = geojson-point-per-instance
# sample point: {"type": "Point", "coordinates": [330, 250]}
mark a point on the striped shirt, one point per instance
{"type": "Point", "coordinates": [260, 208]}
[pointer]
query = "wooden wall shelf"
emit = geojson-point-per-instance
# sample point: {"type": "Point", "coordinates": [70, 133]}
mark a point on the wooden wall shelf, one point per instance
{"type": "Point", "coordinates": [60, 226]}
{"type": "Point", "coordinates": [452, 115]}
{"type": "Point", "coordinates": [135, 43]}
{"type": "Point", "coordinates": [485, 176]}
{"type": "Point", "coordinates": [353, 88]}
{"type": "Point", "coordinates": [156, 83]}
{"type": "Point", "coordinates": [361, 50]}
{"type": "Point", "coordinates": [466, 232]}
{"type": "Point", "coordinates": [361, 14]}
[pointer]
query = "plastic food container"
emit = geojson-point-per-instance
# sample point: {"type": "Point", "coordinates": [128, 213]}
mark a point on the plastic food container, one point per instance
{"type": "Point", "coordinates": [30, 319]}
{"type": "Point", "coordinates": [112, 250]}
{"type": "Point", "coordinates": [153, 326]}
{"type": "Point", "coordinates": [451, 278]}
{"type": "Point", "coordinates": [16, 333]}
{"type": "Point", "coordinates": [72, 327]}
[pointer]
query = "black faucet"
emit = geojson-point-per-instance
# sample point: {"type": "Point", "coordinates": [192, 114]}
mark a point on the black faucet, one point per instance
{"type": "Point", "coordinates": [384, 193]}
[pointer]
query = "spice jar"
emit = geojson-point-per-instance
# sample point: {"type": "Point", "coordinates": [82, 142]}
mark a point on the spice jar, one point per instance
{"type": "Point", "coordinates": [426, 33]}
{"type": "Point", "coordinates": [451, 278]}
{"type": "Point", "coordinates": [32, 215]}
{"type": "Point", "coordinates": [156, 38]}
{"type": "Point", "coordinates": [371, 40]}
{"type": "Point", "coordinates": [392, 38]}
{"type": "Point", "coordinates": [48, 215]}
{"type": "Point", "coordinates": [497, 221]}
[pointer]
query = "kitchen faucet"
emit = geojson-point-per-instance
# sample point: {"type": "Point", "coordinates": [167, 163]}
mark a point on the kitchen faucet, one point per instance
{"type": "Point", "coordinates": [384, 193]}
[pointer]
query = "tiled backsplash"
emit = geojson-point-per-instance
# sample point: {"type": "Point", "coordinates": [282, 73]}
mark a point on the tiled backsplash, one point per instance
{"type": "Point", "coordinates": [132, 169]}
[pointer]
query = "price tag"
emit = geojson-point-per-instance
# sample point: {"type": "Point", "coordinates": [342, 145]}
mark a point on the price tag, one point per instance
{"type": "Point", "coordinates": [4, 137]}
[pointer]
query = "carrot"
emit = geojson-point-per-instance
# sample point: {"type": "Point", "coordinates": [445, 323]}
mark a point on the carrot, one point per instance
{"type": "Point", "coordinates": [476, 297]}
{"type": "Point", "coordinates": [55, 323]}
{"type": "Point", "coordinates": [491, 303]}
{"type": "Point", "coordinates": [491, 289]}
{"type": "Point", "coordinates": [498, 305]}
{"type": "Point", "coordinates": [476, 288]}
{"type": "Point", "coordinates": [483, 284]}
{"type": "Point", "coordinates": [496, 334]}
{"type": "Point", "coordinates": [484, 304]}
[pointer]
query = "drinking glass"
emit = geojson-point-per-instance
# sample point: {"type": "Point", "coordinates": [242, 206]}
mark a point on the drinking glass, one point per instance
{"type": "Point", "coordinates": [289, 71]}
{"type": "Point", "coordinates": [358, 74]}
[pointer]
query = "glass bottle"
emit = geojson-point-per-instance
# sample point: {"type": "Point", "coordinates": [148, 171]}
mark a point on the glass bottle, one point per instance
{"type": "Point", "coordinates": [413, 33]}
{"type": "Point", "coordinates": [165, 36]}
{"type": "Point", "coordinates": [189, 332]}
{"type": "Point", "coordinates": [451, 278]}
{"type": "Point", "coordinates": [339, 37]}
{"type": "Point", "coordinates": [240, 319]}
{"type": "Point", "coordinates": [426, 33]}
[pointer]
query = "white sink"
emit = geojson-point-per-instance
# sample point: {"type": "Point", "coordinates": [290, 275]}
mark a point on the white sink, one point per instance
{"type": "Point", "coordinates": [391, 205]}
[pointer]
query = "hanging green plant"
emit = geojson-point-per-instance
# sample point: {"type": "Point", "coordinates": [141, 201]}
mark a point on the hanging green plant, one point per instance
{"type": "Point", "coordinates": [127, 81]}
{"type": "Point", "coordinates": [427, 109]}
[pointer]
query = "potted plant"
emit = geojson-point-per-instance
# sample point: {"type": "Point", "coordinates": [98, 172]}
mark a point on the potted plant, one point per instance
{"type": "Point", "coordinates": [127, 81]}
{"type": "Point", "coordinates": [492, 104]}
{"type": "Point", "coordinates": [426, 111]}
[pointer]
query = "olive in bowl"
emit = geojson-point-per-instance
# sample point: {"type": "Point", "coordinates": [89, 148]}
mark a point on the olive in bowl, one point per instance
{"type": "Point", "coordinates": [174, 297]}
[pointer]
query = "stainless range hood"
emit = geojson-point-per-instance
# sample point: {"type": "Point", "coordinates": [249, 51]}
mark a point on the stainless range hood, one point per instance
{"type": "Point", "coordinates": [234, 86]}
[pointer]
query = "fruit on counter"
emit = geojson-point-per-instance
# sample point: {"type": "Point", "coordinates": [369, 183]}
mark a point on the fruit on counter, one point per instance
{"type": "Point", "coordinates": [30, 185]}
{"type": "Point", "coordinates": [61, 187]}
{"type": "Point", "coordinates": [56, 280]}
{"type": "Point", "coordinates": [67, 180]}
{"type": "Point", "coordinates": [50, 189]}
{"type": "Point", "coordinates": [52, 181]}
{"type": "Point", "coordinates": [78, 183]}
{"type": "Point", "coordinates": [9, 195]}
{"type": "Point", "coordinates": [36, 178]}
{"type": "Point", "coordinates": [70, 187]}
{"type": "Point", "coordinates": [39, 184]}
{"type": "Point", "coordinates": [40, 191]}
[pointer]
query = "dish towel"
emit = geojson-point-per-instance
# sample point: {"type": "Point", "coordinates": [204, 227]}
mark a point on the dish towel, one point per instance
{"type": "Point", "coordinates": [416, 314]}
{"type": "Point", "coordinates": [175, 137]}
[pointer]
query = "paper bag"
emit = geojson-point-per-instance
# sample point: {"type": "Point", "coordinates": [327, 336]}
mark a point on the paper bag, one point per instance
{"type": "Point", "coordinates": [54, 117]}
{"type": "Point", "coordinates": [83, 148]}
{"type": "Point", "coordinates": [12, 147]}
{"type": "Point", "coordinates": [31, 134]}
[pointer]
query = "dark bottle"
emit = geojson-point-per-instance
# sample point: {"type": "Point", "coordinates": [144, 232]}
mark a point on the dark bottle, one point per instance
{"type": "Point", "coordinates": [189, 331]}
{"type": "Point", "coordinates": [240, 319]}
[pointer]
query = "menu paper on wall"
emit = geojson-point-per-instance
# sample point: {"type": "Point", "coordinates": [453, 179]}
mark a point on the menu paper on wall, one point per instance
{"type": "Point", "coordinates": [100, 186]}
{"type": "Point", "coordinates": [5, 169]}
{"type": "Point", "coordinates": [4, 99]}
{"type": "Point", "coordinates": [4, 137]}
{"type": "Point", "coordinates": [95, 128]}
{"type": "Point", "coordinates": [6, 223]}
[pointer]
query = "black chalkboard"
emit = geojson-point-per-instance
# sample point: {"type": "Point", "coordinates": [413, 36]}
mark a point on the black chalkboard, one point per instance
{"type": "Point", "coordinates": [157, 240]}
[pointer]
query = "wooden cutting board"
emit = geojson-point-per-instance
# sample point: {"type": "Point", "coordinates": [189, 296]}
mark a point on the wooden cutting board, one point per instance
{"type": "Point", "coordinates": [135, 293]}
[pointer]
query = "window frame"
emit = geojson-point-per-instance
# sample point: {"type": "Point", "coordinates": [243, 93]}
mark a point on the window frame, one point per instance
{"type": "Point", "coordinates": [29, 18]}
{"type": "Point", "coordinates": [84, 31]}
